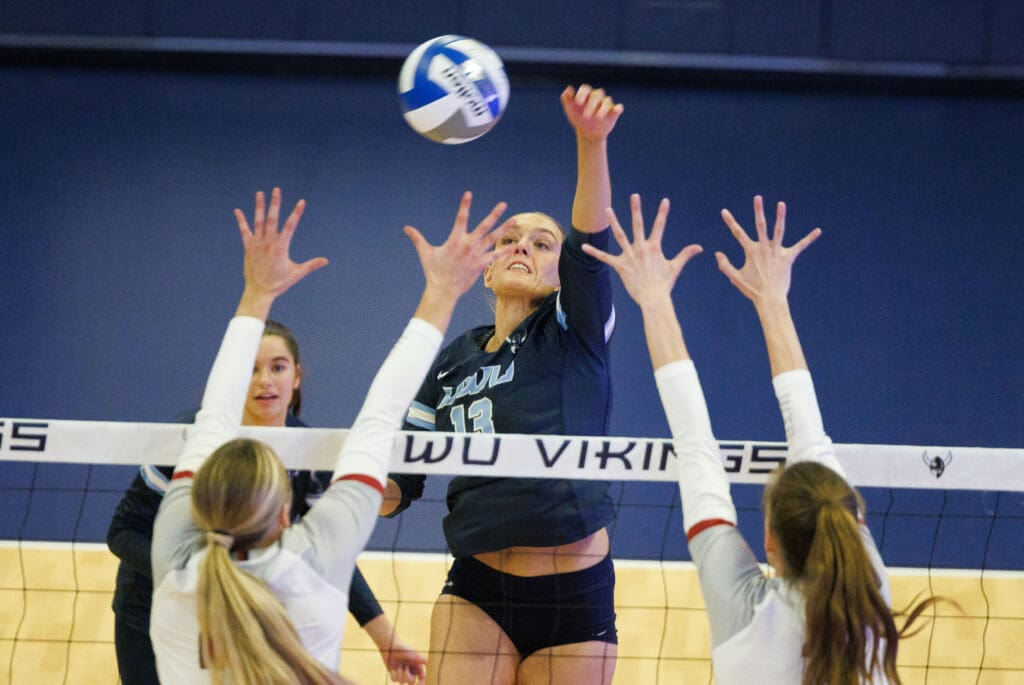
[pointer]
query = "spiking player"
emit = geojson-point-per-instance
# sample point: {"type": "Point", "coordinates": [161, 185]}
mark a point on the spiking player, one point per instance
{"type": "Point", "coordinates": [529, 598]}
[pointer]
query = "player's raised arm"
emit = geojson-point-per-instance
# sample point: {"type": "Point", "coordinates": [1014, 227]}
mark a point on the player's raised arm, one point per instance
{"type": "Point", "coordinates": [269, 271]}
{"type": "Point", "coordinates": [449, 269]}
{"type": "Point", "coordinates": [765, 279]}
{"type": "Point", "coordinates": [649, 278]}
{"type": "Point", "coordinates": [592, 114]}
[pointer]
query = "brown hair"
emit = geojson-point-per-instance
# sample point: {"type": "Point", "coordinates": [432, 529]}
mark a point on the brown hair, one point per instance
{"type": "Point", "coordinates": [281, 331]}
{"type": "Point", "coordinates": [237, 498]}
{"type": "Point", "coordinates": [813, 513]}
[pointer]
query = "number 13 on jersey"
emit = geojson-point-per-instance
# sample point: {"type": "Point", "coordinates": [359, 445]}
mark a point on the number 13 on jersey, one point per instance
{"type": "Point", "coordinates": [479, 415]}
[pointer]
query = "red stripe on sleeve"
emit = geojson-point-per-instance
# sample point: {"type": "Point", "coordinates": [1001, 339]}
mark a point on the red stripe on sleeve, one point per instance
{"type": "Point", "coordinates": [366, 480]}
{"type": "Point", "coordinates": [704, 525]}
{"type": "Point", "coordinates": [183, 474]}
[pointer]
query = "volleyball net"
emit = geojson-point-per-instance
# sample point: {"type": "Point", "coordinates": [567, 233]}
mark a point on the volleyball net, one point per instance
{"type": "Point", "coordinates": [948, 520]}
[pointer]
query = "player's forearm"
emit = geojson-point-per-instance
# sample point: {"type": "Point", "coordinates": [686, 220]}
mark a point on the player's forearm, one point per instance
{"type": "Point", "coordinates": [255, 303]}
{"type": "Point", "coordinates": [780, 336]}
{"type": "Point", "coordinates": [663, 332]}
{"type": "Point", "coordinates": [593, 186]}
{"type": "Point", "coordinates": [436, 307]}
{"type": "Point", "coordinates": [381, 631]}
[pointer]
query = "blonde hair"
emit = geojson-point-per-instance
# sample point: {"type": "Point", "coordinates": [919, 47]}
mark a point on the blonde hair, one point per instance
{"type": "Point", "coordinates": [813, 513]}
{"type": "Point", "coordinates": [237, 498]}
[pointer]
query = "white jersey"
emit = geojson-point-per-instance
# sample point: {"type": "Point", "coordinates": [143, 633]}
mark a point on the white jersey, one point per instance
{"type": "Point", "coordinates": [757, 623]}
{"type": "Point", "coordinates": [310, 567]}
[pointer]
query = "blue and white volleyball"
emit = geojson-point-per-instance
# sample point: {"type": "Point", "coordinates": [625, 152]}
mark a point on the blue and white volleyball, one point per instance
{"type": "Point", "coordinates": [453, 89]}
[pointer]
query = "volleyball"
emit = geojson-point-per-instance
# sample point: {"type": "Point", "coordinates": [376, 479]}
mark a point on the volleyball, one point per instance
{"type": "Point", "coordinates": [452, 89]}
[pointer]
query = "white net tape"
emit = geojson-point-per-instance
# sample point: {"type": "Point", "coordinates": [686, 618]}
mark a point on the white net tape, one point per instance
{"type": "Point", "coordinates": [513, 455]}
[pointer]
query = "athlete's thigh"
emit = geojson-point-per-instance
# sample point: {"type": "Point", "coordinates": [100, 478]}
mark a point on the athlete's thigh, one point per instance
{"type": "Point", "coordinates": [581, 663]}
{"type": "Point", "coordinates": [467, 646]}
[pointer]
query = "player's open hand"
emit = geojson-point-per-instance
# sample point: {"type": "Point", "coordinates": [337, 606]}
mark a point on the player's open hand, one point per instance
{"type": "Point", "coordinates": [454, 266]}
{"type": "Point", "coordinates": [269, 269]}
{"type": "Point", "coordinates": [645, 271]}
{"type": "Point", "coordinates": [768, 266]}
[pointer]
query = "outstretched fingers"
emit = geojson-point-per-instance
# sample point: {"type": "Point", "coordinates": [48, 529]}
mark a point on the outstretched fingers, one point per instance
{"type": "Point", "coordinates": [760, 224]}
{"type": "Point", "coordinates": [637, 212]}
{"type": "Point", "coordinates": [805, 242]}
{"type": "Point", "coordinates": [462, 215]}
{"type": "Point", "coordinates": [310, 265]}
{"type": "Point", "coordinates": [259, 215]}
{"type": "Point", "coordinates": [453, 266]}
{"type": "Point", "coordinates": [243, 227]}
{"type": "Point", "coordinates": [730, 271]}
{"type": "Point", "coordinates": [685, 255]}
{"type": "Point", "coordinates": [274, 212]}
{"type": "Point", "coordinates": [268, 267]}
{"type": "Point", "coordinates": [419, 243]}
{"type": "Point", "coordinates": [647, 274]}
{"type": "Point", "coordinates": [292, 222]}
{"type": "Point", "coordinates": [484, 227]}
{"type": "Point", "coordinates": [780, 224]}
{"type": "Point", "coordinates": [736, 229]}
{"type": "Point", "coordinates": [617, 232]}
{"type": "Point", "coordinates": [660, 220]}
{"type": "Point", "coordinates": [767, 268]}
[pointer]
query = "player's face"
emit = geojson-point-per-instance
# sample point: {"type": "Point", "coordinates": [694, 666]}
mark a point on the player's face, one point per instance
{"type": "Point", "coordinates": [275, 378]}
{"type": "Point", "coordinates": [531, 267]}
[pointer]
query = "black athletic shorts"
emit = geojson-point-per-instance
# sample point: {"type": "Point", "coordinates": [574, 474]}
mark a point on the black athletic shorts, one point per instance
{"type": "Point", "coordinates": [537, 612]}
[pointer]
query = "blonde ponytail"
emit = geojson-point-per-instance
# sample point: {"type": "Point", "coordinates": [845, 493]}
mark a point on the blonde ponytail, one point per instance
{"type": "Point", "coordinates": [237, 497]}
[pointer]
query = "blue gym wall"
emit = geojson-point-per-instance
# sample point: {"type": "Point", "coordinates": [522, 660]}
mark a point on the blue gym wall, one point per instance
{"type": "Point", "coordinates": [130, 132]}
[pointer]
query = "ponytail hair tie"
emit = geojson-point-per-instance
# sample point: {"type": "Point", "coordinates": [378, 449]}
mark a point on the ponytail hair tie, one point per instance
{"type": "Point", "coordinates": [220, 537]}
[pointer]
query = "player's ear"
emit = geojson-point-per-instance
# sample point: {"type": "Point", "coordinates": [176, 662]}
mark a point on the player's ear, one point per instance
{"type": "Point", "coordinates": [487, 276]}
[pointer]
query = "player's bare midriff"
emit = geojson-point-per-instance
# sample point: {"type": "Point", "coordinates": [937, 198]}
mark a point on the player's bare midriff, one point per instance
{"type": "Point", "coordinates": [544, 561]}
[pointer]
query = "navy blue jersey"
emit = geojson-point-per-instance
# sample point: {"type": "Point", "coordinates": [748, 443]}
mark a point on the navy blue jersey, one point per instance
{"type": "Point", "coordinates": [550, 376]}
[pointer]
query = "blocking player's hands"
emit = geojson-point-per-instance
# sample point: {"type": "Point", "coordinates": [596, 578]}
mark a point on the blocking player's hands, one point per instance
{"type": "Point", "coordinates": [647, 274]}
{"type": "Point", "coordinates": [649, 277]}
{"type": "Point", "coordinates": [766, 273]}
{"type": "Point", "coordinates": [454, 266]}
{"type": "Point", "coordinates": [268, 268]}
{"type": "Point", "coordinates": [590, 111]}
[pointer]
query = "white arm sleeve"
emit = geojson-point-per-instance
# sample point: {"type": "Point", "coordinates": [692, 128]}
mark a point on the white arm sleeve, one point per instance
{"type": "Point", "coordinates": [224, 398]}
{"type": "Point", "coordinates": [805, 433]}
{"type": "Point", "coordinates": [339, 524]}
{"type": "Point", "coordinates": [367, 449]}
{"type": "Point", "coordinates": [216, 423]}
{"type": "Point", "coordinates": [703, 483]}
